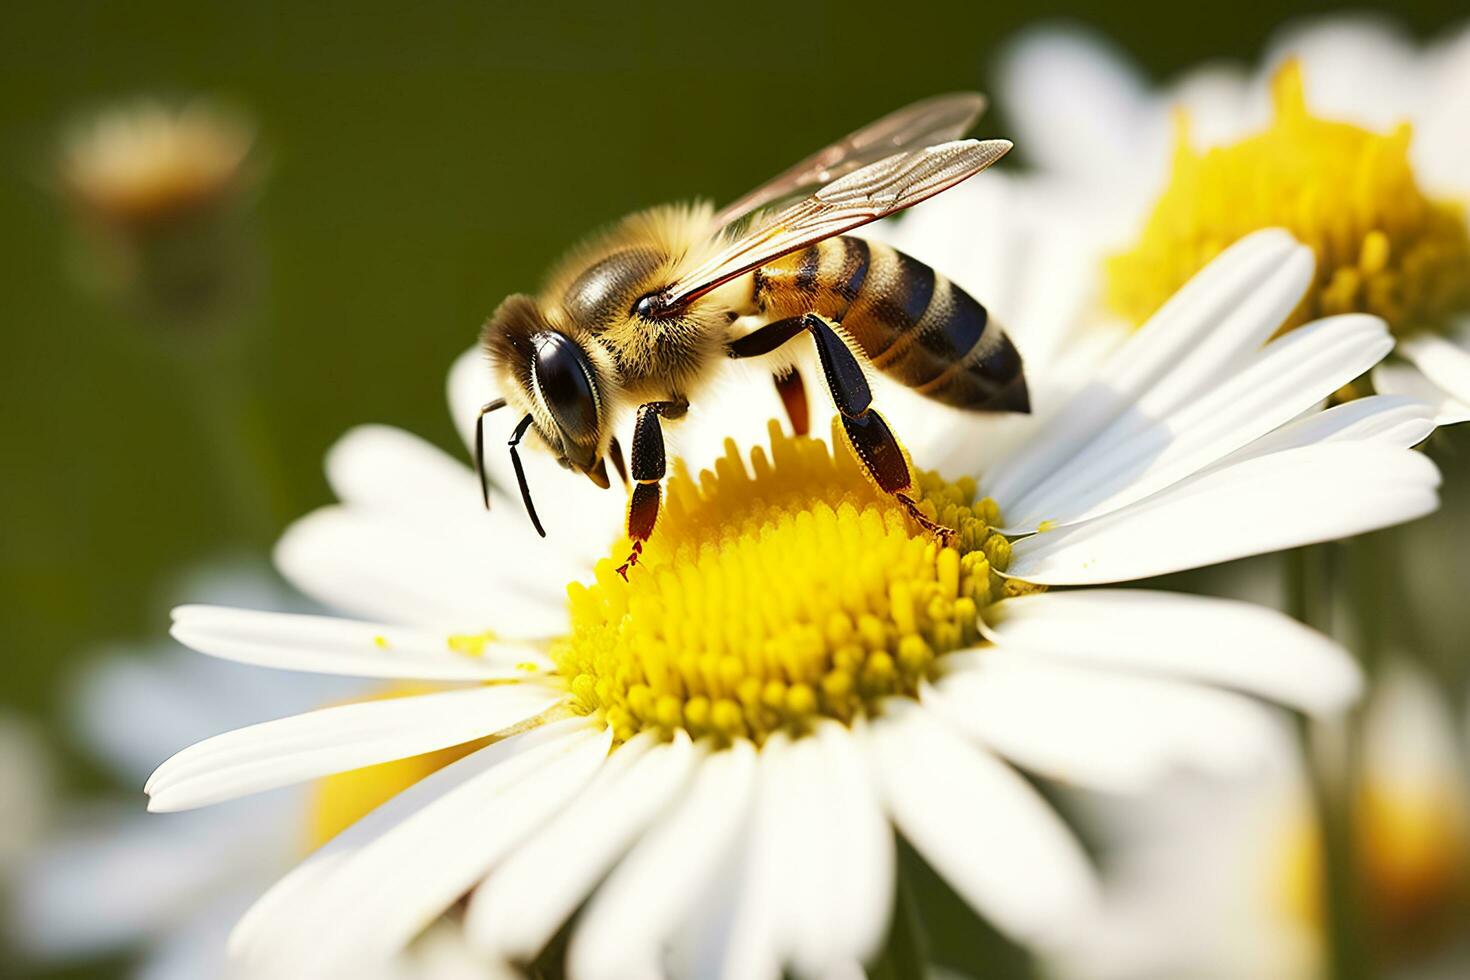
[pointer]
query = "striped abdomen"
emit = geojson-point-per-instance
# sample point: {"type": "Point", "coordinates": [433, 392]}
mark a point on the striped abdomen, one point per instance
{"type": "Point", "coordinates": [913, 324]}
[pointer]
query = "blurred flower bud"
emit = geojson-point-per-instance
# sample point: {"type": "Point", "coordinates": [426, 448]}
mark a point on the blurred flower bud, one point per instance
{"type": "Point", "coordinates": [162, 196]}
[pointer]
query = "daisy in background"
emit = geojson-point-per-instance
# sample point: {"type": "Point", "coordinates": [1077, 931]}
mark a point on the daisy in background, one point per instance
{"type": "Point", "coordinates": [710, 759]}
{"type": "Point", "coordinates": [1349, 135]}
{"type": "Point", "coordinates": [106, 879]}
{"type": "Point", "coordinates": [25, 793]}
{"type": "Point", "coordinates": [160, 194]}
{"type": "Point", "coordinates": [1223, 879]}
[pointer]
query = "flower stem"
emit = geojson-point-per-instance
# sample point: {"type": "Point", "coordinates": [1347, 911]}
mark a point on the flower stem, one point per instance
{"type": "Point", "coordinates": [1330, 751]}
{"type": "Point", "coordinates": [244, 461]}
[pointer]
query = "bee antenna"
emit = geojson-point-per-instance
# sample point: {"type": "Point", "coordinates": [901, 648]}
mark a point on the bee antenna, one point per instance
{"type": "Point", "coordinates": [485, 410]}
{"type": "Point", "coordinates": [515, 459]}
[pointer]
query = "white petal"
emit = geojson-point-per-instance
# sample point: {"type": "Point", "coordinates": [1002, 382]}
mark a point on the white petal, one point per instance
{"type": "Point", "coordinates": [195, 947]}
{"type": "Point", "coordinates": [1136, 457]}
{"type": "Point", "coordinates": [1203, 333]}
{"type": "Point", "coordinates": [1222, 104]}
{"type": "Point", "coordinates": [1355, 68]}
{"type": "Point", "coordinates": [338, 739]}
{"type": "Point", "coordinates": [522, 903]}
{"type": "Point", "coordinates": [1443, 361]}
{"type": "Point", "coordinates": [581, 519]}
{"type": "Point", "coordinates": [123, 876]}
{"type": "Point", "coordinates": [277, 911]}
{"type": "Point", "coordinates": [387, 888]}
{"type": "Point", "coordinates": [327, 645]}
{"type": "Point", "coordinates": [426, 572]}
{"type": "Point", "coordinates": [1170, 634]}
{"type": "Point", "coordinates": [1075, 100]}
{"type": "Point", "coordinates": [1390, 420]}
{"type": "Point", "coordinates": [1401, 378]}
{"type": "Point", "coordinates": [628, 923]}
{"type": "Point", "coordinates": [381, 466]}
{"type": "Point", "coordinates": [185, 698]}
{"type": "Point", "coordinates": [844, 851]}
{"type": "Point", "coordinates": [981, 827]}
{"type": "Point", "coordinates": [1441, 140]}
{"type": "Point", "coordinates": [1103, 730]}
{"type": "Point", "coordinates": [1300, 496]}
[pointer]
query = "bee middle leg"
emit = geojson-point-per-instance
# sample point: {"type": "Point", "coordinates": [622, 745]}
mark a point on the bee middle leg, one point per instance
{"type": "Point", "coordinates": [647, 468]}
{"type": "Point", "coordinates": [867, 433]}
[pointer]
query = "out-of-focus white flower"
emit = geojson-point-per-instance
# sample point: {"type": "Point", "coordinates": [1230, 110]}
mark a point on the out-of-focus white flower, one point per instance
{"type": "Point", "coordinates": [1224, 879]}
{"type": "Point", "coordinates": [108, 877]}
{"type": "Point", "coordinates": [1349, 135]}
{"type": "Point", "coordinates": [25, 791]}
{"type": "Point", "coordinates": [713, 754]}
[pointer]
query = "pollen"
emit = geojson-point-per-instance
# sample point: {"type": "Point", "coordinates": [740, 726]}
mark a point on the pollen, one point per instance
{"type": "Point", "coordinates": [1382, 245]}
{"type": "Point", "coordinates": [777, 593]}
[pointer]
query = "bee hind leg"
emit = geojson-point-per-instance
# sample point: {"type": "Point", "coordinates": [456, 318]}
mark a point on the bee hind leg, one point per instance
{"type": "Point", "coordinates": [648, 466]}
{"type": "Point", "coordinates": [872, 441]}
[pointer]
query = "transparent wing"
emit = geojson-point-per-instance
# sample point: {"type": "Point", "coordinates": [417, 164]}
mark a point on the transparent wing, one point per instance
{"type": "Point", "coordinates": [934, 120]}
{"type": "Point", "coordinates": [865, 195]}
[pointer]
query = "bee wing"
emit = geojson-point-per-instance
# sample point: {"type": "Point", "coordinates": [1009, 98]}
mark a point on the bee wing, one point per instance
{"type": "Point", "coordinates": [933, 120]}
{"type": "Point", "coordinates": [867, 194]}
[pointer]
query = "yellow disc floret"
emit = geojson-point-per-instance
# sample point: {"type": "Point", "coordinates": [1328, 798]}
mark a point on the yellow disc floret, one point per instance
{"type": "Point", "coordinates": [1382, 245]}
{"type": "Point", "coordinates": [775, 594]}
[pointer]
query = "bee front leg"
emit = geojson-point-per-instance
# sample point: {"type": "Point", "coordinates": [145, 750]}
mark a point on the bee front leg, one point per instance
{"type": "Point", "coordinates": [872, 442]}
{"type": "Point", "coordinates": [648, 466]}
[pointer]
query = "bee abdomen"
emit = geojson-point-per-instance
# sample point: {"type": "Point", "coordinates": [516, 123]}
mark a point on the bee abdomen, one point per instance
{"type": "Point", "coordinates": [913, 324]}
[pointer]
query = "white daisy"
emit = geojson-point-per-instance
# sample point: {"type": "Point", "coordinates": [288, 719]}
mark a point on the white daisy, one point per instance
{"type": "Point", "coordinates": [107, 878]}
{"type": "Point", "coordinates": [1223, 879]}
{"type": "Point", "coordinates": [711, 754]}
{"type": "Point", "coordinates": [1349, 135]}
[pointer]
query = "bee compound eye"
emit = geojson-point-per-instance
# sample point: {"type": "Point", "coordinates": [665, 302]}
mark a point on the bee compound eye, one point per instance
{"type": "Point", "coordinates": [563, 377]}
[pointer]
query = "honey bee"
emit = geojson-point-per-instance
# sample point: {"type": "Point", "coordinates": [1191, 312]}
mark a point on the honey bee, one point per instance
{"type": "Point", "coordinates": [642, 315]}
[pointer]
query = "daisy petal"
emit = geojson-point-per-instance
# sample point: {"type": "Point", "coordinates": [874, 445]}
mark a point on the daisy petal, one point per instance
{"type": "Point", "coordinates": [423, 571]}
{"type": "Point", "coordinates": [1103, 730]}
{"type": "Point", "coordinates": [628, 923]}
{"type": "Point", "coordinates": [981, 826]}
{"type": "Point", "coordinates": [328, 645]}
{"type": "Point", "coordinates": [1442, 361]}
{"type": "Point", "coordinates": [1041, 78]}
{"type": "Point", "coordinates": [1216, 320]}
{"type": "Point", "coordinates": [1391, 420]}
{"type": "Point", "coordinates": [1399, 378]}
{"type": "Point", "coordinates": [845, 851]}
{"type": "Point", "coordinates": [387, 889]}
{"type": "Point", "coordinates": [337, 739]}
{"type": "Point", "coordinates": [1169, 634]}
{"type": "Point", "coordinates": [522, 903]}
{"type": "Point", "coordinates": [383, 467]}
{"type": "Point", "coordinates": [1273, 502]}
{"type": "Point", "coordinates": [276, 911]}
{"type": "Point", "coordinates": [1130, 461]}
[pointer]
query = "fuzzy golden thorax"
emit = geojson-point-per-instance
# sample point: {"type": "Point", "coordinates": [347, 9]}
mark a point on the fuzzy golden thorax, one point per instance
{"type": "Point", "coordinates": [585, 314]}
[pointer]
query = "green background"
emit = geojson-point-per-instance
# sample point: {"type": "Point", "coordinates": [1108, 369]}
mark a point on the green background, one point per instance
{"type": "Point", "coordinates": [423, 161]}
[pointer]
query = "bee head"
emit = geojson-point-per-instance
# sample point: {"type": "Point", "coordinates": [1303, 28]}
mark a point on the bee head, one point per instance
{"type": "Point", "coordinates": [557, 377]}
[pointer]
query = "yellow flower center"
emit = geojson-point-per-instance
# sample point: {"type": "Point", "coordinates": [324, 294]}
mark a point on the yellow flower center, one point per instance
{"type": "Point", "coordinates": [1411, 851]}
{"type": "Point", "coordinates": [774, 595]}
{"type": "Point", "coordinates": [1382, 245]}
